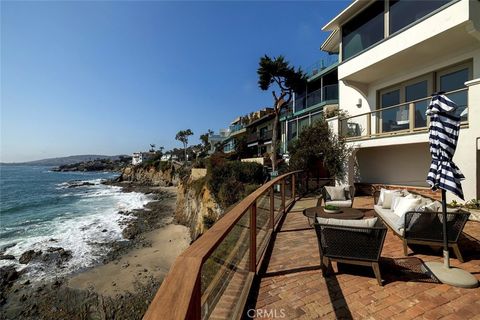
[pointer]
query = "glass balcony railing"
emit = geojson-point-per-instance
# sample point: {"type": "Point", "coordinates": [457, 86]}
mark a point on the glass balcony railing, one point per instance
{"type": "Point", "coordinates": [327, 93]}
{"type": "Point", "coordinates": [236, 127]}
{"type": "Point", "coordinates": [403, 118]}
{"type": "Point", "coordinates": [320, 65]}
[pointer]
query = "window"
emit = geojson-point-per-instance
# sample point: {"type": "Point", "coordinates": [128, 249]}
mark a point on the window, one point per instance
{"type": "Point", "coordinates": [421, 88]}
{"type": "Point", "coordinates": [388, 118]}
{"type": "Point", "coordinates": [364, 30]}
{"type": "Point", "coordinates": [404, 12]}
{"type": "Point", "coordinates": [263, 132]}
{"type": "Point", "coordinates": [292, 130]}
{"type": "Point", "coordinates": [452, 79]}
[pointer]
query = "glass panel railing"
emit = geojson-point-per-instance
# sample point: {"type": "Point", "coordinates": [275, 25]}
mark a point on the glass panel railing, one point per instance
{"type": "Point", "coordinates": [330, 92]}
{"type": "Point", "coordinates": [420, 108]}
{"type": "Point", "coordinates": [356, 126]}
{"type": "Point", "coordinates": [225, 272]}
{"type": "Point", "coordinates": [393, 119]}
{"type": "Point", "coordinates": [263, 222]}
{"type": "Point", "coordinates": [461, 100]}
{"type": "Point", "coordinates": [288, 190]}
{"type": "Point", "coordinates": [277, 202]}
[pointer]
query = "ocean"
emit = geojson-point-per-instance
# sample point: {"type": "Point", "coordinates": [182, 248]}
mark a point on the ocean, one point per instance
{"type": "Point", "coordinates": [41, 209]}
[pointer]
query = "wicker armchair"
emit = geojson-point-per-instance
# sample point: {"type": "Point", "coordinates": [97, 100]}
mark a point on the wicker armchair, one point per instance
{"type": "Point", "coordinates": [352, 245]}
{"type": "Point", "coordinates": [349, 196]}
{"type": "Point", "coordinates": [423, 227]}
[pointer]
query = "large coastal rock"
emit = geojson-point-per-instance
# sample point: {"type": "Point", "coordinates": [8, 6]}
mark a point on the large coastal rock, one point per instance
{"type": "Point", "coordinates": [196, 208]}
{"type": "Point", "coordinates": [150, 176]}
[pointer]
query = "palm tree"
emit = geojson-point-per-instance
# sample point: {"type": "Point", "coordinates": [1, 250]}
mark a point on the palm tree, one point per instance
{"type": "Point", "coordinates": [182, 136]}
{"type": "Point", "coordinates": [278, 72]}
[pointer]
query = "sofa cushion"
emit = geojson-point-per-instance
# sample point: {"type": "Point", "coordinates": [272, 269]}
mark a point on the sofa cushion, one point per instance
{"type": "Point", "coordinates": [336, 193]}
{"type": "Point", "coordinates": [395, 199]}
{"type": "Point", "coordinates": [364, 223]}
{"type": "Point", "coordinates": [390, 218]}
{"type": "Point", "coordinates": [339, 203]}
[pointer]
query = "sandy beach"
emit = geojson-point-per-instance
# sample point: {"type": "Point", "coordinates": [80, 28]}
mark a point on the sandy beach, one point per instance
{"type": "Point", "coordinates": [138, 265]}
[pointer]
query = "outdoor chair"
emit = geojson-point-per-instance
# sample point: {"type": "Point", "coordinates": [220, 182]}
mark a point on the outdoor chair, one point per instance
{"type": "Point", "coordinates": [351, 245]}
{"type": "Point", "coordinates": [425, 227]}
{"type": "Point", "coordinates": [348, 202]}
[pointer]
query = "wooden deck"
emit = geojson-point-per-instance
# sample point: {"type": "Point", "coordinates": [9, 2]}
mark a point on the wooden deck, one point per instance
{"type": "Point", "coordinates": [291, 285]}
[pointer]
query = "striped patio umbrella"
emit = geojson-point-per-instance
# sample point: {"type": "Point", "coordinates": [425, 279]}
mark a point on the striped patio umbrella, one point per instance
{"type": "Point", "coordinates": [445, 175]}
{"type": "Point", "coordinates": [444, 131]}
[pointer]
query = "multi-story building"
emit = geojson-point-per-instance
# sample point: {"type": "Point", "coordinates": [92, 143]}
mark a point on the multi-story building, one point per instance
{"type": "Point", "coordinates": [259, 135]}
{"type": "Point", "coordinates": [237, 128]}
{"type": "Point", "coordinates": [320, 93]}
{"type": "Point", "coordinates": [393, 54]}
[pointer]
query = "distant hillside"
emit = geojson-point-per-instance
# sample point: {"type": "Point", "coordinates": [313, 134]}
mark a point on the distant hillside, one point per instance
{"type": "Point", "coordinates": [66, 160]}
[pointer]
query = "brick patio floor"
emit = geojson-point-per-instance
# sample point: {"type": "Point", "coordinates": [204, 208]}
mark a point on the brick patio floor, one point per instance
{"type": "Point", "coordinates": [292, 287]}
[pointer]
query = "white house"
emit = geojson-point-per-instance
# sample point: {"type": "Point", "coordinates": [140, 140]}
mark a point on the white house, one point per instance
{"type": "Point", "coordinates": [393, 54]}
{"type": "Point", "coordinates": [137, 158]}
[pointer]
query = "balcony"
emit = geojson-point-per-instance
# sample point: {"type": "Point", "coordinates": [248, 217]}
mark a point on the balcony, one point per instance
{"type": "Point", "coordinates": [402, 119]}
{"type": "Point", "coordinates": [321, 65]}
{"type": "Point", "coordinates": [324, 95]}
{"type": "Point", "coordinates": [260, 138]}
{"type": "Point", "coordinates": [267, 237]}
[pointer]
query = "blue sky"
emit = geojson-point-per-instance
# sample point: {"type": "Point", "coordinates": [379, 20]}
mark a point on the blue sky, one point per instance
{"type": "Point", "coordinates": [112, 77]}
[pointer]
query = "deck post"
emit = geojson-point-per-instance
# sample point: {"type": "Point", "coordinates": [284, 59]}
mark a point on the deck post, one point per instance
{"type": "Point", "coordinates": [272, 208]}
{"type": "Point", "coordinates": [369, 125]}
{"type": "Point", "coordinates": [411, 116]}
{"type": "Point", "coordinates": [294, 181]}
{"type": "Point", "coordinates": [253, 237]}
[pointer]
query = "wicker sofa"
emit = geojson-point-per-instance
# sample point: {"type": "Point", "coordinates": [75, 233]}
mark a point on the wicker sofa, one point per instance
{"type": "Point", "coordinates": [424, 227]}
{"type": "Point", "coordinates": [360, 245]}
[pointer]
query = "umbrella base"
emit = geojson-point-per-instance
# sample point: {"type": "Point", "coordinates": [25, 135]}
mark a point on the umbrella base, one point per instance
{"type": "Point", "coordinates": [452, 276]}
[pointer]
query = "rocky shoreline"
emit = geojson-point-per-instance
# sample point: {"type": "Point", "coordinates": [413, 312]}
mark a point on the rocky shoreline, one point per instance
{"type": "Point", "coordinates": [92, 297]}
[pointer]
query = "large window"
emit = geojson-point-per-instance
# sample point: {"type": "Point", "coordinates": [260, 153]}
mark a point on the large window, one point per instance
{"type": "Point", "coordinates": [364, 30]}
{"type": "Point", "coordinates": [452, 79]}
{"type": "Point", "coordinates": [370, 26]}
{"type": "Point", "coordinates": [405, 12]}
{"type": "Point", "coordinates": [418, 92]}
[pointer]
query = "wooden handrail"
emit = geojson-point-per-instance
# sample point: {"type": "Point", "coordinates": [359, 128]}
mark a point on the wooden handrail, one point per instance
{"type": "Point", "coordinates": [179, 296]}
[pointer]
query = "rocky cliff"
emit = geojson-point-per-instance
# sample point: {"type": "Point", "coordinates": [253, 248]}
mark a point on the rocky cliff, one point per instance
{"type": "Point", "coordinates": [150, 176]}
{"type": "Point", "coordinates": [196, 207]}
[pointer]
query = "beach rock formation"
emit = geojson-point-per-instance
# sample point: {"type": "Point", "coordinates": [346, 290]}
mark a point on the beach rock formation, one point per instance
{"type": "Point", "coordinates": [149, 175]}
{"type": "Point", "coordinates": [28, 256]}
{"type": "Point", "coordinates": [196, 207]}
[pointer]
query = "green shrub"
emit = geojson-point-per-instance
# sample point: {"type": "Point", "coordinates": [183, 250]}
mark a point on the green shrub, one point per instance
{"type": "Point", "coordinates": [230, 181]}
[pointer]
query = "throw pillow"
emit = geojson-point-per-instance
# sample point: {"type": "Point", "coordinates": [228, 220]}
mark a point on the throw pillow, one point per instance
{"type": "Point", "coordinates": [336, 193]}
{"type": "Point", "coordinates": [381, 199]}
{"type": "Point", "coordinates": [406, 204]}
{"type": "Point", "coordinates": [395, 200]}
{"type": "Point", "coordinates": [388, 199]}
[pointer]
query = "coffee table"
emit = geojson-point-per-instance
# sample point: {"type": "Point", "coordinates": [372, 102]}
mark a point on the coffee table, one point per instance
{"type": "Point", "coordinates": [346, 213]}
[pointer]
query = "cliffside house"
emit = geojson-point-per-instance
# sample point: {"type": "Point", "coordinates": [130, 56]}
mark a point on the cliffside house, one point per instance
{"type": "Point", "coordinates": [237, 128]}
{"type": "Point", "coordinates": [392, 56]}
{"type": "Point", "coordinates": [139, 157]}
{"type": "Point", "coordinates": [320, 94]}
{"type": "Point", "coordinates": [259, 135]}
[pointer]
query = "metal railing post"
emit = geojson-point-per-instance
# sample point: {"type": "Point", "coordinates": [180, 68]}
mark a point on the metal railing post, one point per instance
{"type": "Point", "coordinates": [253, 237]}
{"type": "Point", "coordinates": [369, 125]}
{"type": "Point", "coordinates": [294, 181]}
{"type": "Point", "coordinates": [272, 208]}
{"type": "Point", "coordinates": [283, 195]}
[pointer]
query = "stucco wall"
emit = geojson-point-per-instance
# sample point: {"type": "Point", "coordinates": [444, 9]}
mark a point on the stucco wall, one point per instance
{"type": "Point", "coordinates": [397, 165]}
